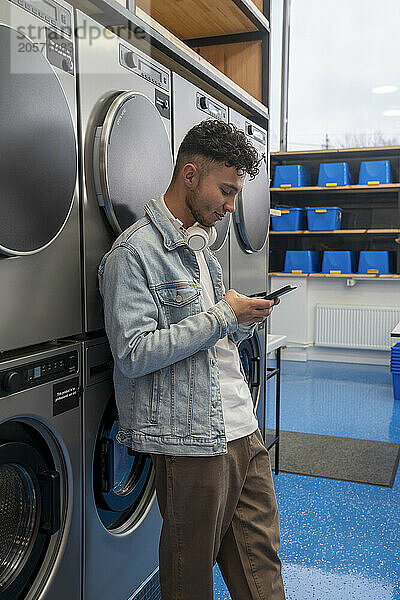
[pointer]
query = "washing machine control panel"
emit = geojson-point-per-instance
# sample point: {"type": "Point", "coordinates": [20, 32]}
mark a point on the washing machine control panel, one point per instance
{"type": "Point", "coordinates": [144, 67]}
{"type": "Point", "coordinates": [211, 107]}
{"type": "Point", "coordinates": [36, 373]}
{"type": "Point", "coordinates": [49, 11]}
{"type": "Point", "coordinates": [60, 51]}
{"type": "Point", "coordinates": [258, 135]}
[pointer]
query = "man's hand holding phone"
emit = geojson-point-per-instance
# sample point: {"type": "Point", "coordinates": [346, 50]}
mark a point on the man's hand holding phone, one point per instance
{"type": "Point", "coordinates": [249, 310]}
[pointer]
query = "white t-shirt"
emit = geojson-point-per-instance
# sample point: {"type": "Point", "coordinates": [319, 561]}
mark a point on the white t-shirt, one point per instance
{"type": "Point", "coordinates": [237, 403]}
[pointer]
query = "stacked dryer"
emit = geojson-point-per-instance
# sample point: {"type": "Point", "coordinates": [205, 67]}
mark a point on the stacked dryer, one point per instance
{"type": "Point", "coordinates": [40, 296]}
{"type": "Point", "coordinates": [40, 301]}
{"type": "Point", "coordinates": [241, 241]}
{"type": "Point", "coordinates": [191, 106]}
{"type": "Point", "coordinates": [248, 256]}
{"type": "Point", "coordinates": [125, 115]}
{"type": "Point", "coordinates": [125, 127]}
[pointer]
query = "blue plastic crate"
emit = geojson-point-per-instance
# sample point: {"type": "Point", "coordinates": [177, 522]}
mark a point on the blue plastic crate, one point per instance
{"type": "Point", "coordinates": [302, 261]}
{"type": "Point", "coordinates": [338, 261]}
{"type": "Point", "coordinates": [291, 219]}
{"type": "Point", "coordinates": [324, 218]}
{"type": "Point", "coordinates": [333, 174]}
{"type": "Point", "coordinates": [374, 172]}
{"type": "Point", "coordinates": [291, 176]}
{"type": "Point", "coordinates": [395, 358]}
{"type": "Point", "coordinates": [372, 261]}
{"type": "Point", "coordinates": [396, 385]}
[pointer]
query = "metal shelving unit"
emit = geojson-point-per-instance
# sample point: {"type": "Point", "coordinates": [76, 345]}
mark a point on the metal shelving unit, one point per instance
{"type": "Point", "coordinates": [371, 213]}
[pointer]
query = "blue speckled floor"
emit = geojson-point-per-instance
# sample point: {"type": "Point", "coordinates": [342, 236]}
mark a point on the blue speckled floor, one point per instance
{"type": "Point", "coordinates": [339, 540]}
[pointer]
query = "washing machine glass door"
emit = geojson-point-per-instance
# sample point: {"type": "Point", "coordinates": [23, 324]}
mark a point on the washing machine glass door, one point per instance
{"type": "Point", "coordinates": [37, 148]}
{"type": "Point", "coordinates": [132, 158]}
{"type": "Point", "coordinates": [123, 480]}
{"type": "Point", "coordinates": [250, 355]}
{"type": "Point", "coordinates": [252, 211]}
{"type": "Point", "coordinates": [29, 507]}
{"type": "Point", "coordinates": [222, 228]}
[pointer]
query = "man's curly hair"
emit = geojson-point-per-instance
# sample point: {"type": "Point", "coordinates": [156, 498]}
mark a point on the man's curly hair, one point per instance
{"type": "Point", "coordinates": [218, 142]}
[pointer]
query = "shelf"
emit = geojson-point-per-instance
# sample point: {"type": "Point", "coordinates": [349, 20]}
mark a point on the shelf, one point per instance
{"type": "Point", "coordinates": [188, 63]}
{"type": "Point", "coordinates": [388, 187]}
{"type": "Point", "coordinates": [338, 232]}
{"type": "Point", "coordinates": [338, 153]}
{"type": "Point", "coordinates": [348, 275]}
{"type": "Point", "coordinates": [210, 18]}
{"type": "Point", "coordinates": [229, 34]}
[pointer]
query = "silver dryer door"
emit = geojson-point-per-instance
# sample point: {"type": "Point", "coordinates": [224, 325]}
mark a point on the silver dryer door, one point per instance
{"type": "Point", "coordinates": [253, 203]}
{"type": "Point", "coordinates": [37, 170]}
{"type": "Point", "coordinates": [252, 211]}
{"type": "Point", "coordinates": [132, 158]}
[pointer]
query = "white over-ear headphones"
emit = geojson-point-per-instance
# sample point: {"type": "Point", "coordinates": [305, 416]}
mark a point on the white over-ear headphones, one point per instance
{"type": "Point", "coordinates": [198, 237]}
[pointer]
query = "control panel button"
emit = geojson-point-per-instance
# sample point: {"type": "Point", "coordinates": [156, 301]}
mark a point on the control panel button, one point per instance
{"type": "Point", "coordinates": [67, 64]}
{"type": "Point", "coordinates": [130, 60]}
{"type": "Point", "coordinates": [203, 102]}
{"type": "Point", "coordinates": [12, 382]}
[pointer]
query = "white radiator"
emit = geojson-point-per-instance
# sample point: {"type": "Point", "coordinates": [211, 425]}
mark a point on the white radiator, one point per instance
{"type": "Point", "coordinates": [355, 326]}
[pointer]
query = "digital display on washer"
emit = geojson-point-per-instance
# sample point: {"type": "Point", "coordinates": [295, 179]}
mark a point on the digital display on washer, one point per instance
{"type": "Point", "coordinates": [36, 372]}
{"type": "Point", "coordinates": [46, 7]}
{"type": "Point", "coordinates": [148, 70]}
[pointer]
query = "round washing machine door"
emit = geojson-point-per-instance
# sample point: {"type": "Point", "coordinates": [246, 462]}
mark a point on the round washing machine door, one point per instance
{"type": "Point", "coordinates": [252, 211]}
{"type": "Point", "coordinates": [250, 355]}
{"type": "Point", "coordinates": [132, 158]}
{"type": "Point", "coordinates": [38, 159]}
{"type": "Point", "coordinates": [30, 507]}
{"type": "Point", "coordinates": [123, 480]}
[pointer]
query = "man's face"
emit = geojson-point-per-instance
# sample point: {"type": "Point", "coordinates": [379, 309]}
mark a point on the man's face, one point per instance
{"type": "Point", "coordinates": [214, 195]}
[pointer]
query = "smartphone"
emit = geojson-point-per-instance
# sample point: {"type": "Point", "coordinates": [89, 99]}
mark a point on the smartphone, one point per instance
{"type": "Point", "coordinates": [275, 294]}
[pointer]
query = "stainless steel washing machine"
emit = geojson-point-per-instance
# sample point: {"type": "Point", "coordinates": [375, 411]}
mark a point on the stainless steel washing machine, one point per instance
{"type": "Point", "coordinates": [191, 106]}
{"type": "Point", "coordinates": [126, 159]}
{"type": "Point", "coordinates": [40, 474]}
{"type": "Point", "coordinates": [250, 226]}
{"type": "Point", "coordinates": [122, 522]}
{"type": "Point", "coordinates": [248, 249]}
{"type": "Point", "coordinates": [40, 283]}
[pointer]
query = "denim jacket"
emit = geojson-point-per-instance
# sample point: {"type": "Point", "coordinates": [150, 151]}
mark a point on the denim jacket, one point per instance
{"type": "Point", "coordinates": [165, 368]}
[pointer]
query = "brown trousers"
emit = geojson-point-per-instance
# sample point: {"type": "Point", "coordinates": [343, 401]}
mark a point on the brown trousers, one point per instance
{"type": "Point", "coordinates": [219, 509]}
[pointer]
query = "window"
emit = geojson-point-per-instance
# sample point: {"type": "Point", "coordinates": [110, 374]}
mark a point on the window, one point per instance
{"type": "Point", "coordinates": [344, 74]}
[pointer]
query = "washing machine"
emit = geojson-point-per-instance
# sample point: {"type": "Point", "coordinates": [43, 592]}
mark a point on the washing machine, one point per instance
{"type": "Point", "coordinates": [122, 523]}
{"type": "Point", "coordinates": [40, 474]}
{"type": "Point", "coordinates": [250, 223]}
{"type": "Point", "coordinates": [191, 106]}
{"type": "Point", "coordinates": [40, 282]}
{"type": "Point", "coordinates": [248, 255]}
{"type": "Point", "coordinates": [126, 158]}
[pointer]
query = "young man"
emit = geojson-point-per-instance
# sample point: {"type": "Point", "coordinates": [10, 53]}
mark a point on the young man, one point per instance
{"type": "Point", "coordinates": [179, 387]}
